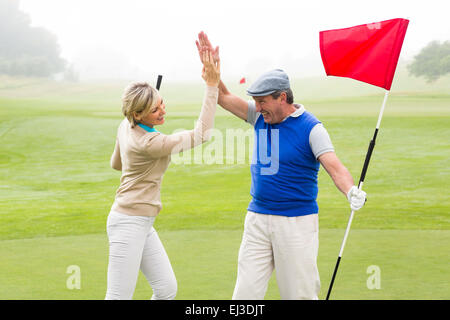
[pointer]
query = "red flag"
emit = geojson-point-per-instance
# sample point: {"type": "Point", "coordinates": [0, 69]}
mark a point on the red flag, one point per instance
{"type": "Point", "coordinates": [242, 81]}
{"type": "Point", "coordinates": [367, 52]}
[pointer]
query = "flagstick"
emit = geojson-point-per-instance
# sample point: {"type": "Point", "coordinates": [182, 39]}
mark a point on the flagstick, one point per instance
{"type": "Point", "coordinates": [360, 184]}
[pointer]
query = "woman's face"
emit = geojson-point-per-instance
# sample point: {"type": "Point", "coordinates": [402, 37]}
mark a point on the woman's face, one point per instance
{"type": "Point", "coordinates": [155, 117]}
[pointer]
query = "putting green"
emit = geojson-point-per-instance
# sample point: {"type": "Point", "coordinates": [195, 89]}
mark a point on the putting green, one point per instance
{"type": "Point", "coordinates": [412, 265]}
{"type": "Point", "coordinates": [57, 189]}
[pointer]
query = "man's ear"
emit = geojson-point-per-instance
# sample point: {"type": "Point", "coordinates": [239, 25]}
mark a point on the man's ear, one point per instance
{"type": "Point", "coordinates": [283, 97]}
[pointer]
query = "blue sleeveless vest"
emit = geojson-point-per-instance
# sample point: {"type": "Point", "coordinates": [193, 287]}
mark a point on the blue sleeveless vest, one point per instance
{"type": "Point", "coordinates": [284, 170]}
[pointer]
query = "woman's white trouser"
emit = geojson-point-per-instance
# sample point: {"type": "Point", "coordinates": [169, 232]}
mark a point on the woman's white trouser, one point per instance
{"type": "Point", "coordinates": [287, 244]}
{"type": "Point", "coordinates": [133, 245]}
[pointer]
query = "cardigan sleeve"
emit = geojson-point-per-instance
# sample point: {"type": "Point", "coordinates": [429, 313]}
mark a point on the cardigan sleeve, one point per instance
{"type": "Point", "coordinates": [116, 161]}
{"type": "Point", "coordinates": [159, 145]}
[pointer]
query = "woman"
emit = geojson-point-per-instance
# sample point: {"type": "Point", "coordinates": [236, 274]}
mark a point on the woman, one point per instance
{"type": "Point", "coordinates": [143, 154]}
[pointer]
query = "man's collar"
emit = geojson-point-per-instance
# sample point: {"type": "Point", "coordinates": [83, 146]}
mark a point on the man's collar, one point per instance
{"type": "Point", "coordinates": [297, 113]}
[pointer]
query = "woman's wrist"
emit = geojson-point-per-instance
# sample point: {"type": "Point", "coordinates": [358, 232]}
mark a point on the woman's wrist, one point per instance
{"type": "Point", "coordinates": [212, 87]}
{"type": "Point", "coordinates": [212, 84]}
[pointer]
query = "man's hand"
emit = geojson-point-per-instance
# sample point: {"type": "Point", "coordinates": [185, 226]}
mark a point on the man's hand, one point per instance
{"type": "Point", "coordinates": [356, 197]}
{"type": "Point", "coordinates": [203, 43]}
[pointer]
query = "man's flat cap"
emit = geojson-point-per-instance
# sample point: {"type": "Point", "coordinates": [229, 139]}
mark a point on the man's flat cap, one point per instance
{"type": "Point", "coordinates": [268, 83]}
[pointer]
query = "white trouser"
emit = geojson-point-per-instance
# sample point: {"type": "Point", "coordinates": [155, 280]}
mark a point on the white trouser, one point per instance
{"type": "Point", "coordinates": [133, 245]}
{"type": "Point", "coordinates": [287, 244]}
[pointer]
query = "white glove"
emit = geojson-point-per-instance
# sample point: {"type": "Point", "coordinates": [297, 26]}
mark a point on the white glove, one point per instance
{"type": "Point", "coordinates": [356, 197]}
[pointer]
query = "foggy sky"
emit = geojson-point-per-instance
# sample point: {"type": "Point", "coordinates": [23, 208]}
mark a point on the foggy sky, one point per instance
{"type": "Point", "coordinates": [137, 39]}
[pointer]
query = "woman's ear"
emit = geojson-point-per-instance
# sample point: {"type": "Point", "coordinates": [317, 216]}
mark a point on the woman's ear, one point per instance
{"type": "Point", "coordinates": [137, 116]}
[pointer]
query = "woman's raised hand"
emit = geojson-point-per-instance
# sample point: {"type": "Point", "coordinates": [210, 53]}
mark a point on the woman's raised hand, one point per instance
{"type": "Point", "coordinates": [211, 67]}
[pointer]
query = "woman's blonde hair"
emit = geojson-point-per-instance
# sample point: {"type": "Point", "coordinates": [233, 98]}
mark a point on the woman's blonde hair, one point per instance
{"type": "Point", "coordinates": [138, 97]}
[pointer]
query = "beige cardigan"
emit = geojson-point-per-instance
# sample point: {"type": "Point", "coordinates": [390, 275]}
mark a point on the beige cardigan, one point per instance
{"type": "Point", "coordinates": [143, 157]}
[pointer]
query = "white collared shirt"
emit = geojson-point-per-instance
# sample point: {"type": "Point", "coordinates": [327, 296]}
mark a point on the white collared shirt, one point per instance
{"type": "Point", "coordinates": [319, 139]}
{"type": "Point", "coordinates": [298, 112]}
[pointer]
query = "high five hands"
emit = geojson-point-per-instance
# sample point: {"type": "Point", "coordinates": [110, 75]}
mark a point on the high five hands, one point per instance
{"type": "Point", "coordinates": [211, 68]}
{"type": "Point", "coordinates": [210, 59]}
{"type": "Point", "coordinates": [204, 43]}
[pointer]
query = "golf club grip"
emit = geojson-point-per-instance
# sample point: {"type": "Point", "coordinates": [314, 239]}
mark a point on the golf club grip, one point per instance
{"type": "Point", "coordinates": [158, 82]}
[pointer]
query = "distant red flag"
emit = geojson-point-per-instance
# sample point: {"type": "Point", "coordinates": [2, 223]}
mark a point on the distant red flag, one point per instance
{"type": "Point", "coordinates": [367, 52]}
{"type": "Point", "coordinates": [242, 81]}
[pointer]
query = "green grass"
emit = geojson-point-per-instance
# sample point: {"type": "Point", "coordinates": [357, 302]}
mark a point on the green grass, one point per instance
{"type": "Point", "coordinates": [57, 188]}
{"type": "Point", "coordinates": [413, 265]}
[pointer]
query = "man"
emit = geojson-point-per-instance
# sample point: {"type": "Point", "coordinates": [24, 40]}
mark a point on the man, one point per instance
{"type": "Point", "coordinates": [281, 225]}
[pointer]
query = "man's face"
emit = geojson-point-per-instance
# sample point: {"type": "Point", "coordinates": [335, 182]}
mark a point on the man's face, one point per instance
{"type": "Point", "coordinates": [270, 108]}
